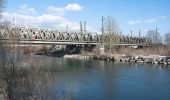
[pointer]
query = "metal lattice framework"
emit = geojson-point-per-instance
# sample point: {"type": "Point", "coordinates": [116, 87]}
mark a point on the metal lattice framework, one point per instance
{"type": "Point", "coordinates": [22, 33]}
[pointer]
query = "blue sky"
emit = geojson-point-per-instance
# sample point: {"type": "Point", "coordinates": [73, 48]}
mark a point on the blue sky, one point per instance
{"type": "Point", "coordinates": [130, 14]}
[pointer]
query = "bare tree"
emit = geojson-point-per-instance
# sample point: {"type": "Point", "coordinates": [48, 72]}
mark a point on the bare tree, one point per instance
{"type": "Point", "coordinates": [110, 25]}
{"type": "Point", "coordinates": [111, 29]}
{"type": "Point", "coordinates": [167, 38]}
{"type": "Point", "coordinates": [154, 36]}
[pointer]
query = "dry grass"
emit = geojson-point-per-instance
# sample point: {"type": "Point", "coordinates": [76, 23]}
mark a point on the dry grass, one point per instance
{"type": "Point", "coordinates": [151, 50]}
{"type": "Point", "coordinates": [22, 78]}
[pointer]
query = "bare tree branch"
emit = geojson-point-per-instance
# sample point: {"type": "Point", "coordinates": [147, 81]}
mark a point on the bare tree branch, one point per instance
{"type": "Point", "coordinates": [110, 25]}
{"type": "Point", "coordinates": [154, 36]}
{"type": "Point", "coordinates": [167, 38]}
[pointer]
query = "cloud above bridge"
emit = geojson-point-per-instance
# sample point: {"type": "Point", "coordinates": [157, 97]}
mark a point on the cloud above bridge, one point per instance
{"type": "Point", "coordinates": [146, 21]}
{"type": "Point", "coordinates": [56, 10]}
{"type": "Point", "coordinates": [53, 17]}
{"type": "Point", "coordinates": [25, 9]}
{"type": "Point", "coordinates": [62, 10]}
{"type": "Point", "coordinates": [73, 7]}
{"type": "Point", "coordinates": [133, 22]}
{"type": "Point", "coordinates": [42, 21]}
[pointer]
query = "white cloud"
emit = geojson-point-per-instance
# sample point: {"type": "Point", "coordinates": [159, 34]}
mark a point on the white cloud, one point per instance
{"type": "Point", "coordinates": [56, 10]}
{"type": "Point", "coordinates": [43, 21]}
{"type": "Point", "coordinates": [152, 20]}
{"type": "Point", "coordinates": [133, 22]}
{"type": "Point", "coordinates": [155, 20]}
{"type": "Point", "coordinates": [24, 9]}
{"type": "Point", "coordinates": [62, 10]}
{"type": "Point", "coordinates": [73, 7]}
{"type": "Point", "coordinates": [147, 21]}
{"type": "Point", "coordinates": [52, 18]}
{"type": "Point", "coordinates": [162, 17]}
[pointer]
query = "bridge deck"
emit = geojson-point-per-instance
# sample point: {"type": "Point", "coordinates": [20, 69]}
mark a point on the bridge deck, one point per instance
{"type": "Point", "coordinates": [64, 42]}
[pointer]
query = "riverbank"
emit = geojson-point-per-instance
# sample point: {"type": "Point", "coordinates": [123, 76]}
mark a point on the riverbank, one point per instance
{"type": "Point", "coordinates": [154, 54]}
{"type": "Point", "coordinates": [150, 59]}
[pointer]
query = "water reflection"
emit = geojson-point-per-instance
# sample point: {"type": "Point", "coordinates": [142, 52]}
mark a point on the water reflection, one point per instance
{"type": "Point", "coordinates": [49, 78]}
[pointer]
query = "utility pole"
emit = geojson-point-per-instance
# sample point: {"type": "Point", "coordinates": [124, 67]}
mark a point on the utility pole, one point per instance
{"type": "Point", "coordinates": [131, 33]}
{"type": "Point", "coordinates": [139, 33]}
{"type": "Point", "coordinates": [102, 38]}
{"type": "Point", "coordinates": [85, 26]}
{"type": "Point", "coordinates": [156, 35]}
{"type": "Point", "coordinates": [102, 29]}
{"type": "Point", "coordinates": [66, 28]}
{"type": "Point", "coordinates": [13, 20]}
{"type": "Point", "coordinates": [81, 26]}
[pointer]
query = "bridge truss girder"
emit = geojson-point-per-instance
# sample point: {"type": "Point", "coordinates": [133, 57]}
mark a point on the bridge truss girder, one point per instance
{"type": "Point", "coordinates": [23, 33]}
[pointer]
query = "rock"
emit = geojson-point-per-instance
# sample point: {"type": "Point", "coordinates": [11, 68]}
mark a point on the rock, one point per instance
{"type": "Point", "coordinates": [151, 59]}
{"type": "Point", "coordinates": [76, 56]}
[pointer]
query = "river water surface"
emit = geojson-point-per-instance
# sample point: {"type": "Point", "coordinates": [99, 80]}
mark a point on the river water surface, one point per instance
{"type": "Point", "coordinates": [70, 79]}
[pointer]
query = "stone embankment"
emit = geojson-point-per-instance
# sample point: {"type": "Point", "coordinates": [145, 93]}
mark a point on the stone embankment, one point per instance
{"type": "Point", "coordinates": [104, 57]}
{"type": "Point", "coordinates": [151, 59]}
{"type": "Point", "coordinates": [77, 56]}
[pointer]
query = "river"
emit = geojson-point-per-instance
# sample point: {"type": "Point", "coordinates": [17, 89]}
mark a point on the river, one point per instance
{"type": "Point", "coordinates": [52, 78]}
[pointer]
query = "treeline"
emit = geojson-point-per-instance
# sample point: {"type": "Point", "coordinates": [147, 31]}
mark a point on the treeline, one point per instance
{"type": "Point", "coordinates": [157, 38]}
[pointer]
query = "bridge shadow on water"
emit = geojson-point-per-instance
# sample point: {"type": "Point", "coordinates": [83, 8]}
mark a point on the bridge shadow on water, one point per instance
{"type": "Point", "coordinates": [67, 50]}
{"type": "Point", "coordinates": [70, 49]}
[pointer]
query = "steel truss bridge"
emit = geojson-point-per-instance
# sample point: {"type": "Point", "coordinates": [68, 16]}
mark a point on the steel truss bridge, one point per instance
{"type": "Point", "coordinates": [23, 35]}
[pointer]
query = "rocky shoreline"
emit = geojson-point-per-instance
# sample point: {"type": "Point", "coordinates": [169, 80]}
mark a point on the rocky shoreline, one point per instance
{"type": "Point", "coordinates": [150, 59]}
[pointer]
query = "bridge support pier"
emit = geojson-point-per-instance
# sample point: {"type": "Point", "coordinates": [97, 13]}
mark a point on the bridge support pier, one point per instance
{"type": "Point", "coordinates": [101, 49]}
